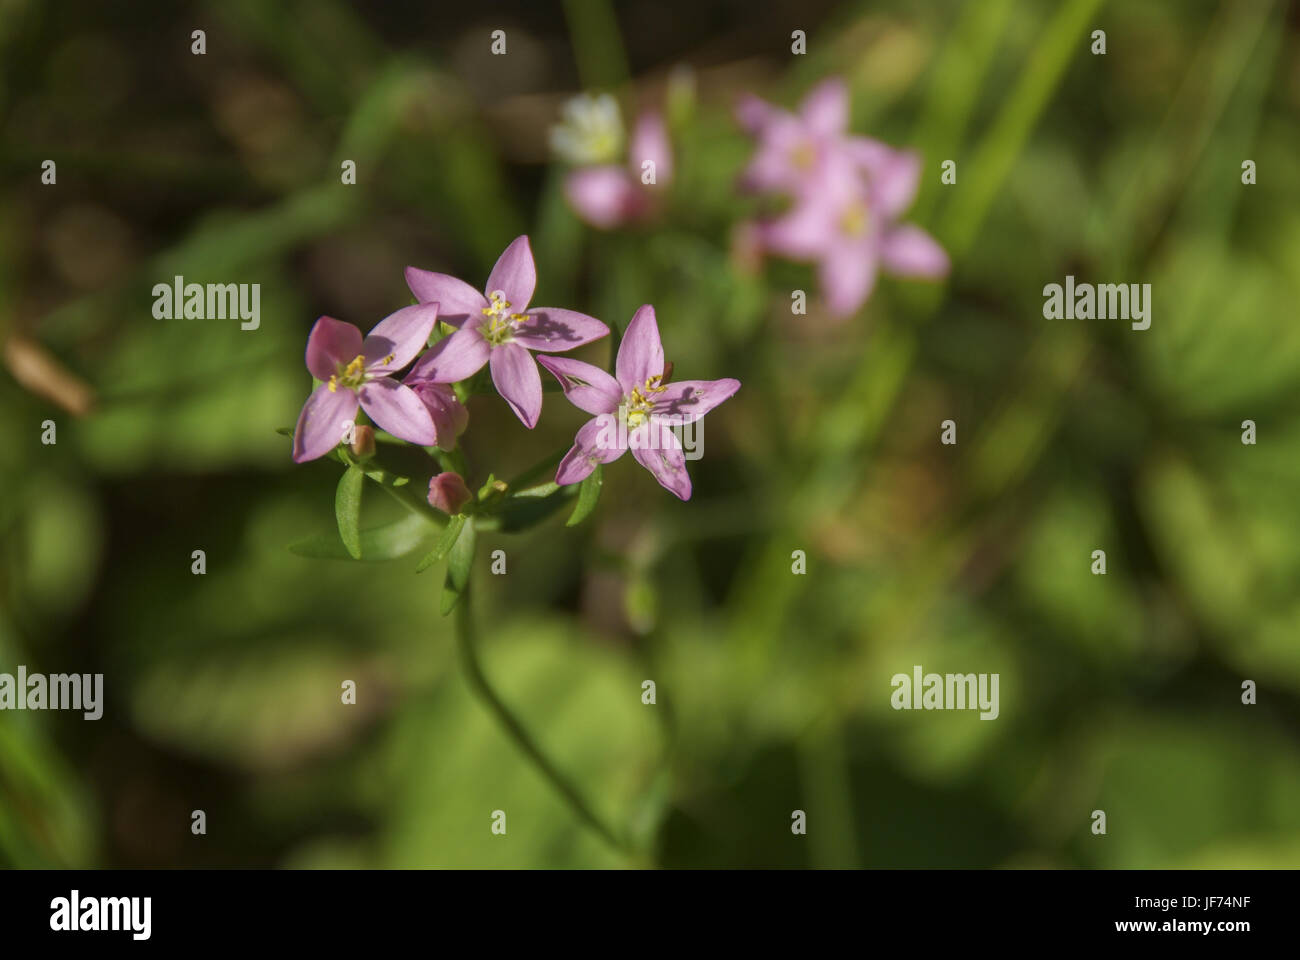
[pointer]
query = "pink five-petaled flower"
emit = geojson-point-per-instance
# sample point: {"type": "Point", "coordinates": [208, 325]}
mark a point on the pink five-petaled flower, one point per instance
{"type": "Point", "coordinates": [849, 193]}
{"type": "Point", "coordinates": [498, 329]}
{"type": "Point", "coordinates": [635, 409]}
{"type": "Point", "coordinates": [355, 371]}
{"type": "Point", "coordinates": [793, 147]}
{"type": "Point", "coordinates": [607, 195]}
{"type": "Point", "coordinates": [849, 228]}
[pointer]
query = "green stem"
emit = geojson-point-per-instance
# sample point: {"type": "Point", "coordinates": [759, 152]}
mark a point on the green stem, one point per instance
{"type": "Point", "coordinates": [468, 642]}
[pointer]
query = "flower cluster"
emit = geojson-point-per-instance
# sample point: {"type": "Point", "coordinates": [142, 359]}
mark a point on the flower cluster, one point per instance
{"type": "Point", "coordinates": [847, 194]}
{"type": "Point", "coordinates": [602, 192]}
{"type": "Point", "coordinates": [496, 328]}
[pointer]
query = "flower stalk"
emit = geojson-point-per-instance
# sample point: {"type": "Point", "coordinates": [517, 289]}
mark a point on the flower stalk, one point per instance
{"type": "Point", "coordinates": [467, 642]}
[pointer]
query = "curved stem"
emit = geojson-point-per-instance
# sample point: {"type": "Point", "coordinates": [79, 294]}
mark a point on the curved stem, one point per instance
{"type": "Point", "coordinates": [467, 638]}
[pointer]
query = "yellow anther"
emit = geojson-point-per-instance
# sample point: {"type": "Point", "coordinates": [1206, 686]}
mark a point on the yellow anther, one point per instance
{"type": "Point", "coordinates": [498, 306]}
{"type": "Point", "coordinates": [352, 376]}
{"type": "Point", "coordinates": [639, 402]}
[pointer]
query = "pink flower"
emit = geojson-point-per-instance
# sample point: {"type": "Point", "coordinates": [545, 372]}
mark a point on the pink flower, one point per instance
{"type": "Point", "coordinates": [849, 193]}
{"type": "Point", "coordinates": [498, 329]}
{"type": "Point", "coordinates": [608, 195]}
{"type": "Point", "coordinates": [848, 227]}
{"type": "Point", "coordinates": [794, 147]}
{"type": "Point", "coordinates": [635, 409]}
{"type": "Point", "coordinates": [356, 372]}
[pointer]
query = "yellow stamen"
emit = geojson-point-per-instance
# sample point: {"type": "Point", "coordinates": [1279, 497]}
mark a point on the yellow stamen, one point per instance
{"type": "Point", "coordinates": [351, 376]}
{"type": "Point", "coordinates": [640, 402]}
{"type": "Point", "coordinates": [501, 323]}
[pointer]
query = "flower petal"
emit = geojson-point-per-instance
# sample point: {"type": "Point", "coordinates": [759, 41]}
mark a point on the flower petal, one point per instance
{"type": "Point", "coordinates": [331, 344]}
{"type": "Point", "coordinates": [803, 232]}
{"type": "Point", "coordinates": [893, 186]}
{"type": "Point", "coordinates": [449, 415]}
{"type": "Point", "coordinates": [848, 275]}
{"type": "Point", "coordinates": [650, 142]}
{"type": "Point", "coordinates": [685, 401]}
{"type": "Point", "coordinates": [457, 301]}
{"type": "Point", "coordinates": [323, 420]}
{"type": "Point", "coordinates": [587, 387]}
{"type": "Point", "coordinates": [396, 408]}
{"type": "Point", "coordinates": [868, 155]}
{"type": "Point", "coordinates": [603, 196]}
{"type": "Point", "coordinates": [517, 380]}
{"type": "Point", "coordinates": [911, 252]}
{"type": "Point", "coordinates": [514, 275]}
{"type": "Point", "coordinates": [598, 441]}
{"type": "Point", "coordinates": [754, 114]}
{"type": "Point", "coordinates": [397, 338]}
{"type": "Point", "coordinates": [453, 358]}
{"type": "Point", "coordinates": [784, 159]}
{"type": "Point", "coordinates": [657, 449]}
{"type": "Point", "coordinates": [641, 354]}
{"type": "Point", "coordinates": [825, 109]}
{"type": "Point", "coordinates": [552, 329]}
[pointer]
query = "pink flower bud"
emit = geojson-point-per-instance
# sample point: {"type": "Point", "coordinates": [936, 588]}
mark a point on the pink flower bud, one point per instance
{"type": "Point", "coordinates": [447, 492]}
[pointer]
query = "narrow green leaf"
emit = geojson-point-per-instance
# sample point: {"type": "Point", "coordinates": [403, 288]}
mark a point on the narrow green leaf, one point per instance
{"type": "Point", "coordinates": [445, 542]}
{"type": "Point", "coordinates": [588, 497]}
{"type": "Point", "coordinates": [347, 510]}
{"type": "Point", "coordinates": [459, 562]}
{"type": "Point", "coordinates": [385, 542]}
{"type": "Point", "coordinates": [530, 507]}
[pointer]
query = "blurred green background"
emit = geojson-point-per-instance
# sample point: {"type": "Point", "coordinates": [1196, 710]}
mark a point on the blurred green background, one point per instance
{"type": "Point", "coordinates": [1120, 692]}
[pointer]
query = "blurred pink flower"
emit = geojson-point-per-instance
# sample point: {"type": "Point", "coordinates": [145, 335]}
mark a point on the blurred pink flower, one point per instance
{"type": "Point", "coordinates": [848, 194]}
{"type": "Point", "coordinates": [608, 195]}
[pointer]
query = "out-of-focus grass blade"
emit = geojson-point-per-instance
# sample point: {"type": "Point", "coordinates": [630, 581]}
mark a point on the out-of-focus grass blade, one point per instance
{"type": "Point", "coordinates": [1061, 42]}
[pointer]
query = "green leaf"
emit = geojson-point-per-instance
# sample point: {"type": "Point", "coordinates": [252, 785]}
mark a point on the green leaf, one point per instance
{"type": "Point", "coordinates": [459, 562]}
{"type": "Point", "coordinates": [347, 509]}
{"type": "Point", "coordinates": [530, 507]}
{"type": "Point", "coordinates": [588, 497]}
{"type": "Point", "coordinates": [445, 542]}
{"type": "Point", "coordinates": [387, 542]}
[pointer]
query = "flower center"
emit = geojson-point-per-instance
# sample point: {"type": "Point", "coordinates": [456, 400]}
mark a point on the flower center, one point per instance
{"type": "Point", "coordinates": [803, 156]}
{"type": "Point", "coordinates": [854, 220]}
{"type": "Point", "coordinates": [641, 401]}
{"type": "Point", "coordinates": [351, 376]}
{"type": "Point", "coordinates": [501, 323]}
